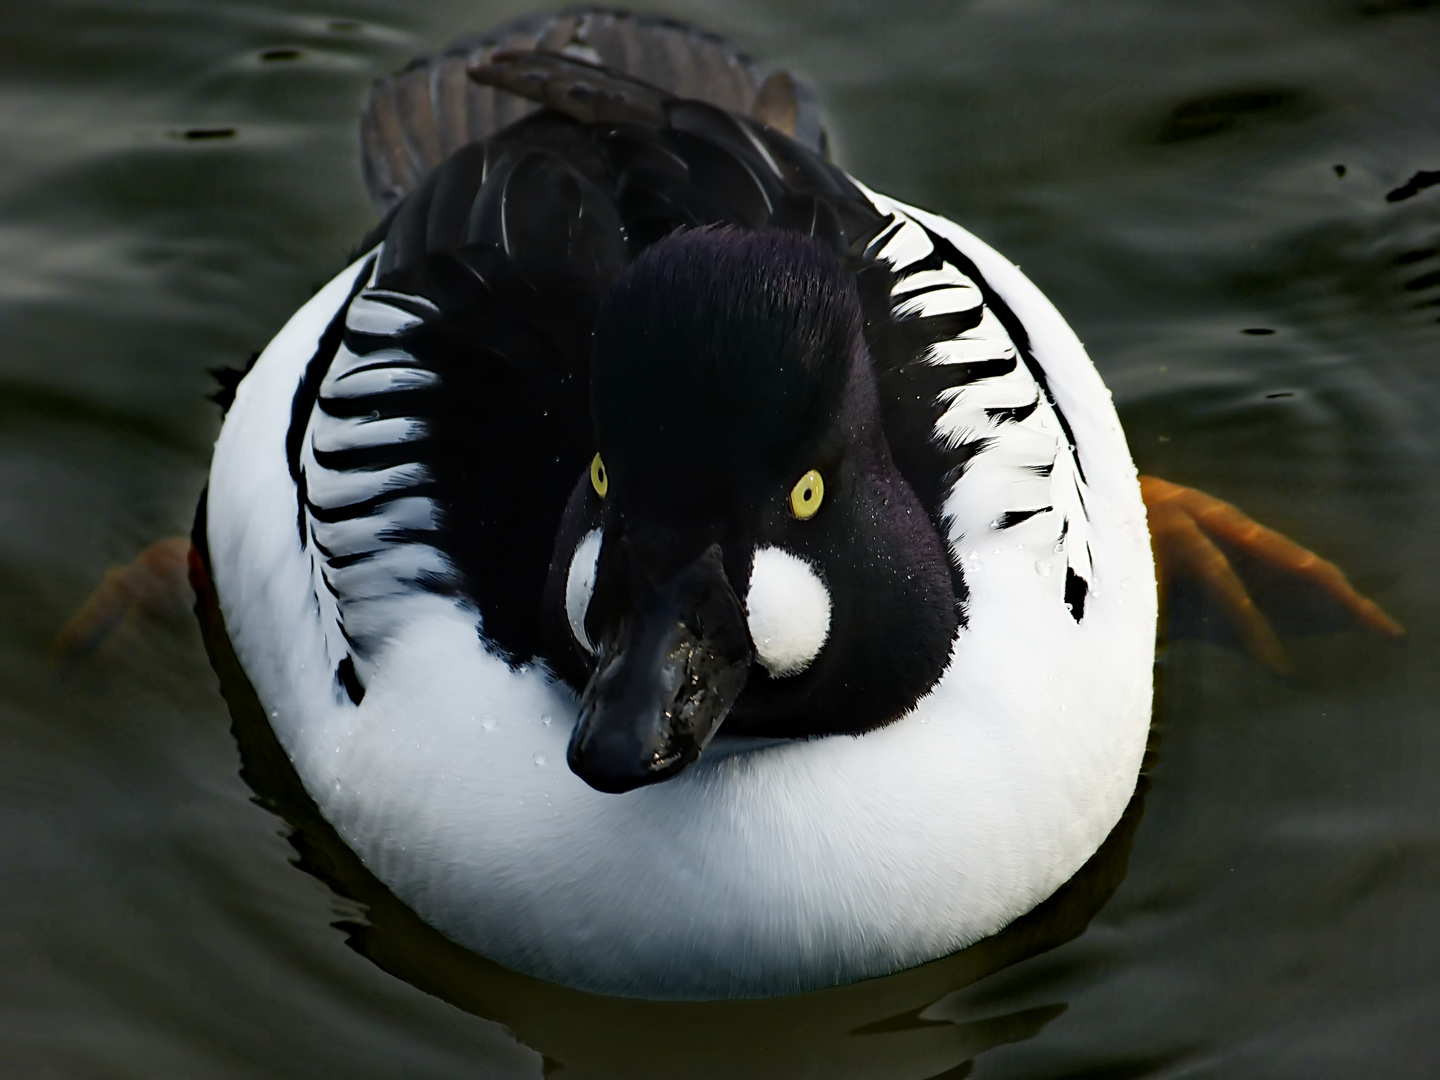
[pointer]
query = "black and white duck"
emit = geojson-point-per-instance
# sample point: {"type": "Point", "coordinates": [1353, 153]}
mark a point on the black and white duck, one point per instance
{"type": "Point", "coordinates": [674, 568]}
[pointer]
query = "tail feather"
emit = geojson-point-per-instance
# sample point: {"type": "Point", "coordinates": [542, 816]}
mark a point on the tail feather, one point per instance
{"type": "Point", "coordinates": [416, 119]}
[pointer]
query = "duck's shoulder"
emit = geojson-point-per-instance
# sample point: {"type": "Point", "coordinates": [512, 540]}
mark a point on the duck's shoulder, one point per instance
{"type": "Point", "coordinates": [443, 411]}
{"type": "Point", "coordinates": [968, 407]}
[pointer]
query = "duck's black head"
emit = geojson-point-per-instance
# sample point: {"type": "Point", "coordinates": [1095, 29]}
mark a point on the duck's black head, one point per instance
{"type": "Point", "coordinates": [743, 549]}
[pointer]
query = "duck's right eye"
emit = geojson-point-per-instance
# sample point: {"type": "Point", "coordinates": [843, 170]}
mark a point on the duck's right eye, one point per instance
{"type": "Point", "coordinates": [599, 478]}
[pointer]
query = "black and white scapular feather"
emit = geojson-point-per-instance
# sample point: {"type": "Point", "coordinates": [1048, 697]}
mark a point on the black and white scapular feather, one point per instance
{"type": "Point", "coordinates": [674, 568]}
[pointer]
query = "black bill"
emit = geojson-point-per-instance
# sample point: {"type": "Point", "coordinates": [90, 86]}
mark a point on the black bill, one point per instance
{"type": "Point", "coordinates": [666, 675]}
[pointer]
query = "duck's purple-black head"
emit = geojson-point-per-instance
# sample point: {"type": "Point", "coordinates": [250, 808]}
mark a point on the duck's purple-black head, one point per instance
{"type": "Point", "coordinates": [742, 550]}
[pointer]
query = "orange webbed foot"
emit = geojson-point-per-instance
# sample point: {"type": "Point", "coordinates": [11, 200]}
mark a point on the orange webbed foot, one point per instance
{"type": "Point", "coordinates": [154, 582]}
{"type": "Point", "coordinates": [1184, 527]}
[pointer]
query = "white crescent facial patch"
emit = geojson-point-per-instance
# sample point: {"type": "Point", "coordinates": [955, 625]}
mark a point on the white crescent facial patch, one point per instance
{"type": "Point", "coordinates": [580, 586]}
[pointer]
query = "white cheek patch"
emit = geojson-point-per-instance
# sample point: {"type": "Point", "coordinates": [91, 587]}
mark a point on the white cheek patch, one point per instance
{"type": "Point", "coordinates": [580, 586]}
{"type": "Point", "coordinates": [788, 609]}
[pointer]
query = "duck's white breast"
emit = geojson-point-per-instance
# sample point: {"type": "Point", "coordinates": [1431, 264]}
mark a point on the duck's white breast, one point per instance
{"type": "Point", "coordinates": [765, 868]}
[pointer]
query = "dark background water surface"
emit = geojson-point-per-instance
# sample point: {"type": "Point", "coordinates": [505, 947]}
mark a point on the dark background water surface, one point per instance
{"type": "Point", "coordinates": [1172, 174]}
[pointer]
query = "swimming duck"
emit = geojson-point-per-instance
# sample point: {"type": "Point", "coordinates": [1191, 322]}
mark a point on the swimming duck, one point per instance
{"type": "Point", "coordinates": [675, 569]}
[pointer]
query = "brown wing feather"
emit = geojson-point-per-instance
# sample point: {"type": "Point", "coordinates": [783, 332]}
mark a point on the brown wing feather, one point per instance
{"type": "Point", "coordinates": [417, 118]}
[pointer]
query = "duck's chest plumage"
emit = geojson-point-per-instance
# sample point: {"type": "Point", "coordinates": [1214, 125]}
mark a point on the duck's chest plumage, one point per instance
{"type": "Point", "coordinates": [382, 506]}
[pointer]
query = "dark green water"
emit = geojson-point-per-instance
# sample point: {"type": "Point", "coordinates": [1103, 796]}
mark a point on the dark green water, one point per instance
{"type": "Point", "coordinates": [1171, 174]}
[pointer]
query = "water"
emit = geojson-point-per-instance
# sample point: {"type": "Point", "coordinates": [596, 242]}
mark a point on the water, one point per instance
{"type": "Point", "coordinates": [1173, 175]}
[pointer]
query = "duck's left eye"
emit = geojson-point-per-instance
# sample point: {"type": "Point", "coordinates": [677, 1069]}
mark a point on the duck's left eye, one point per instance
{"type": "Point", "coordinates": [805, 496]}
{"type": "Point", "coordinates": [599, 477]}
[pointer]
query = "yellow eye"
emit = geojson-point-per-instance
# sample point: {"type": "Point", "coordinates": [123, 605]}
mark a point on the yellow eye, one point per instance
{"type": "Point", "coordinates": [599, 477]}
{"type": "Point", "coordinates": [805, 496]}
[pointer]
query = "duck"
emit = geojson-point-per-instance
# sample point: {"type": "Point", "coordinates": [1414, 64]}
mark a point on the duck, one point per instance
{"type": "Point", "coordinates": [674, 569]}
